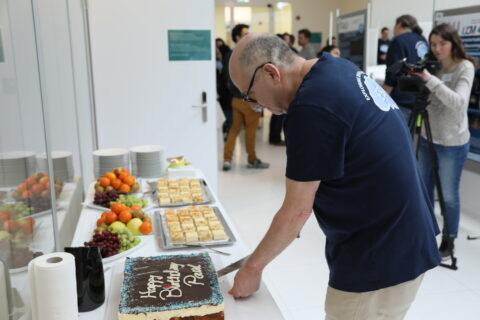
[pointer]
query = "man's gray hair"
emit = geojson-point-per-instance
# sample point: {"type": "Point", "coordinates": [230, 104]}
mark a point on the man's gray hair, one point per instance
{"type": "Point", "coordinates": [266, 48]}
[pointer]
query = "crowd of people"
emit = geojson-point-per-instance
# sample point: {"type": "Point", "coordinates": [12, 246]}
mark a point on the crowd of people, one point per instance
{"type": "Point", "coordinates": [237, 113]}
{"type": "Point", "coordinates": [350, 157]}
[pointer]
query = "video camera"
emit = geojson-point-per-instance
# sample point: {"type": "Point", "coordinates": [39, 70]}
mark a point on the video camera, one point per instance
{"type": "Point", "coordinates": [409, 83]}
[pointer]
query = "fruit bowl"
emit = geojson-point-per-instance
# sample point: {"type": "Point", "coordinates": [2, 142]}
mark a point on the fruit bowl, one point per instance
{"type": "Point", "coordinates": [35, 192]}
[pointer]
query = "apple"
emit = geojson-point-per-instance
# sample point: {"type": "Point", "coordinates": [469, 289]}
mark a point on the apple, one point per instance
{"type": "Point", "coordinates": [26, 224]}
{"type": "Point", "coordinates": [134, 226]}
{"type": "Point", "coordinates": [4, 235]}
{"type": "Point", "coordinates": [117, 227]}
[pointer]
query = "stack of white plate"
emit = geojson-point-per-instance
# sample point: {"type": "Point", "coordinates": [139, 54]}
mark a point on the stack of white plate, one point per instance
{"type": "Point", "coordinates": [148, 161]}
{"type": "Point", "coordinates": [62, 164]}
{"type": "Point", "coordinates": [15, 167]}
{"type": "Point", "coordinates": [105, 160]}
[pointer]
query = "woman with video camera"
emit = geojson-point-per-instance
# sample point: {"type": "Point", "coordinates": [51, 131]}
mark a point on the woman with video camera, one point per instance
{"type": "Point", "coordinates": [449, 95]}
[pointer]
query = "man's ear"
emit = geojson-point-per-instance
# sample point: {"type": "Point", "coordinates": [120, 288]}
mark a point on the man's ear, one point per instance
{"type": "Point", "coordinates": [273, 72]}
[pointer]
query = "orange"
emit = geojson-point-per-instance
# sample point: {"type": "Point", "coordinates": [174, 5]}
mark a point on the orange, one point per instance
{"type": "Point", "coordinates": [22, 187]}
{"type": "Point", "coordinates": [104, 182]}
{"type": "Point", "coordinates": [37, 188]}
{"type": "Point", "coordinates": [104, 214]}
{"type": "Point", "coordinates": [129, 180]}
{"type": "Point", "coordinates": [26, 194]}
{"type": "Point", "coordinates": [116, 183]}
{"type": "Point", "coordinates": [31, 180]}
{"type": "Point", "coordinates": [110, 175]}
{"type": "Point", "coordinates": [146, 228]}
{"type": "Point", "coordinates": [100, 221]}
{"type": "Point", "coordinates": [126, 171]}
{"type": "Point", "coordinates": [111, 217]}
{"type": "Point", "coordinates": [136, 207]}
{"type": "Point", "coordinates": [125, 216]}
{"type": "Point", "coordinates": [125, 188]}
{"type": "Point", "coordinates": [117, 207]}
{"type": "Point", "coordinates": [122, 176]}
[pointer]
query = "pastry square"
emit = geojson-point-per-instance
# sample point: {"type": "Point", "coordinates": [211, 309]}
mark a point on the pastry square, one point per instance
{"type": "Point", "coordinates": [164, 200]}
{"type": "Point", "coordinates": [215, 225]}
{"type": "Point", "coordinates": [188, 227]}
{"type": "Point", "coordinates": [191, 236]}
{"type": "Point", "coordinates": [174, 226]}
{"type": "Point", "coordinates": [177, 237]}
{"type": "Point", "coordinates": [205, 235]}
{"type": "Point", "coordinates": [219, 235]}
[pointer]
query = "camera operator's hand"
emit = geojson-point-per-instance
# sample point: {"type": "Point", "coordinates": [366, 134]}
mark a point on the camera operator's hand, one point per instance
{"type": "Point", "coordinates": [425, 75]}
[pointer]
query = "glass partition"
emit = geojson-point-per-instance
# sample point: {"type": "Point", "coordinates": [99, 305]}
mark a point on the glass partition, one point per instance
{"type": "Point", "coordinates": [40, 170]}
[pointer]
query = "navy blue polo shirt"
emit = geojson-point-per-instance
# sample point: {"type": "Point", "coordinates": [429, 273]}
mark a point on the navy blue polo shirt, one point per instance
{"type": "Point", "coordinates": [408, 45]}
{"type": "Point", "coordinates": [343, 129]}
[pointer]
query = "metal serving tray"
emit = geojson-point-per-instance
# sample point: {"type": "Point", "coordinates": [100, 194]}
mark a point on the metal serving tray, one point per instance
{"type": "Point", "coordinates": [161, 232]}
{"type": "Point", "coordinates": [207, 195]}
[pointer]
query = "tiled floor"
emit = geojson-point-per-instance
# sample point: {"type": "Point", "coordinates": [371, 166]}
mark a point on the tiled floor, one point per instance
{"type": "Point", "coordinates": [298, 277]}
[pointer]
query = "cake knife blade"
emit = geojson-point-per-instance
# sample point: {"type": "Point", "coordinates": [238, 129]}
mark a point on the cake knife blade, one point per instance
{"type": "Point", "coordinates": [232, 267]}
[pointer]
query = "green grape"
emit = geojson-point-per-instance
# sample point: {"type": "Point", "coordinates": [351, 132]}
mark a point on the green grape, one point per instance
{"type": "Point", "coordinates": [130, 201]}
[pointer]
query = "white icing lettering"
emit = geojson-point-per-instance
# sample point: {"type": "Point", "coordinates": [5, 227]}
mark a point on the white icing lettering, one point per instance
{"type": "Point", "coordinates": [190, 280]}
{"type": "Point", "coordinates": [169, 293]}
{"type": "Point", "coordinates": [197, 271]}
{"type": "Point", "coordinates": [153, 283]}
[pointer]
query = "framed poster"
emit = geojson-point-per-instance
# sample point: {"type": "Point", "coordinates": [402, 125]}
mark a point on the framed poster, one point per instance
{"type": "Point", "coordinates": [189, 45]}
{"type": "Point", "coordinates": [351, 37]}
{"type": "Point", "coordinates": [467, 22]}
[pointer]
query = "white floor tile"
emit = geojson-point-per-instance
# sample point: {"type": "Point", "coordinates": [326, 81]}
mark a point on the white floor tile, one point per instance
{"type": "Point", "coordinates": [445, 306]}
{"type": "Point", "coordinates": [299, 276]}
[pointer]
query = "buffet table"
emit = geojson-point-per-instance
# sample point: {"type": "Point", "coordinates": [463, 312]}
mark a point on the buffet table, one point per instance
{"type": "Point", "coordinates": [260, 305]}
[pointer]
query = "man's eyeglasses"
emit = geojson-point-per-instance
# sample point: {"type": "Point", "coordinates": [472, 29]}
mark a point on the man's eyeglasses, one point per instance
{"type": "Point", "coordinates": [246, 98]}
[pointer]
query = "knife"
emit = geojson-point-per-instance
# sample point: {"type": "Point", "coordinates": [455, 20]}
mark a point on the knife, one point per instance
{"type": "Point", "coordinates": [232, 267]}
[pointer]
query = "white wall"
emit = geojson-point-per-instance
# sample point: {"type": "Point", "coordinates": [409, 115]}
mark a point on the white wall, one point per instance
{"type": "Point", "coordinates": [141, 96]}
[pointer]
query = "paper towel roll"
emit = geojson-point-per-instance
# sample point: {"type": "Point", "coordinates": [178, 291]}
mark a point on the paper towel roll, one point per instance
{"type": "Point", "coordinates": [53, 287]}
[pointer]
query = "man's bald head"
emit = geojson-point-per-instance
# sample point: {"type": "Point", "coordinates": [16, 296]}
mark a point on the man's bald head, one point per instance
{"type": "Point", "coordinates": [255, 49]}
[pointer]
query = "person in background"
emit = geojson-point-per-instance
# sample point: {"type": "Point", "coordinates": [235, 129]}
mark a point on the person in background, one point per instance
{"type": "Point", "coordinates": [243, 115]}
{"type": "Point", "coordinates": [307, 52]}
{"type": "Point", "coordinates": [350, 160]}
{"type": "Point", "coordinates": [449, 96]}
{"type": "Point", "coordinates": [224, 95]}
{"type": "Point", "coordinates": [334, 41]}
{"type": "Point", "coordinates": [383, 43]}
{"type": "Point", "coordinates": [290, 40]}
{"type": "Point", "coordinates": [333, 50]}
{"type": "Point", "coordinates": [410, 44]}
{"type": "Point", "coordinates": [219, 42]}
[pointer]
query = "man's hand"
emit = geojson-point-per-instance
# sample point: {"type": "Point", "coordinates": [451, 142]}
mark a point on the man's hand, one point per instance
{"type": "Point", "coordinates": [285, 227]}
{"type": "Point", "coordinates": [247, 282]}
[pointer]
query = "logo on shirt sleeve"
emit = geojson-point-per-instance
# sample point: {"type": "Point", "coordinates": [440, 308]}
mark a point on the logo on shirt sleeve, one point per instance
{"type": "Point", "coordinates": [372, 91]}
{"type": "Point", "coordinates": [421, 48]}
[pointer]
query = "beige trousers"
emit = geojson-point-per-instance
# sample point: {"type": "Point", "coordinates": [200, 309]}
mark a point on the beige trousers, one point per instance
{"type": "Point", "coordinates": [390, 303]}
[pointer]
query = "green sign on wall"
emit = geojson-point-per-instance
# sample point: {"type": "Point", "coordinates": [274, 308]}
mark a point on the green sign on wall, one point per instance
{"type": "Point", "coordinates": [316, 37]}
{"type": "Point", "coordinates": [187, 45]}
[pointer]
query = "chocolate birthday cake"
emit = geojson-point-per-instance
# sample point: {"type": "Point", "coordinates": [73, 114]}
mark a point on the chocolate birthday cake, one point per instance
{"type": "Point", "coordinates": [171, 287]}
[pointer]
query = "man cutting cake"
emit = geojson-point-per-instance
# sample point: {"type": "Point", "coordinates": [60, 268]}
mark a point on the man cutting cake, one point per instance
{"type": "Point", "coordinates": [350, 160]}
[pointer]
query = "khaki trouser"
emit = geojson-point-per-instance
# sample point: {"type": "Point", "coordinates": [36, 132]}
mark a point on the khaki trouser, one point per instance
{"type": "Point", "coordinates": [390, 303]}
{"type": "Point", "coordinates": [242, 114]}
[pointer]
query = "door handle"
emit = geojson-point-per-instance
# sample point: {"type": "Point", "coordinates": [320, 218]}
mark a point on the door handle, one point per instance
{"type": "Point", "coordinates": [203, 105]}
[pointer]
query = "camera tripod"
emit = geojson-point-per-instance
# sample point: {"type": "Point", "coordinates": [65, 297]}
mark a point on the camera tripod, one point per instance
{"type": "Point", "coordinates": [418, 116]}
